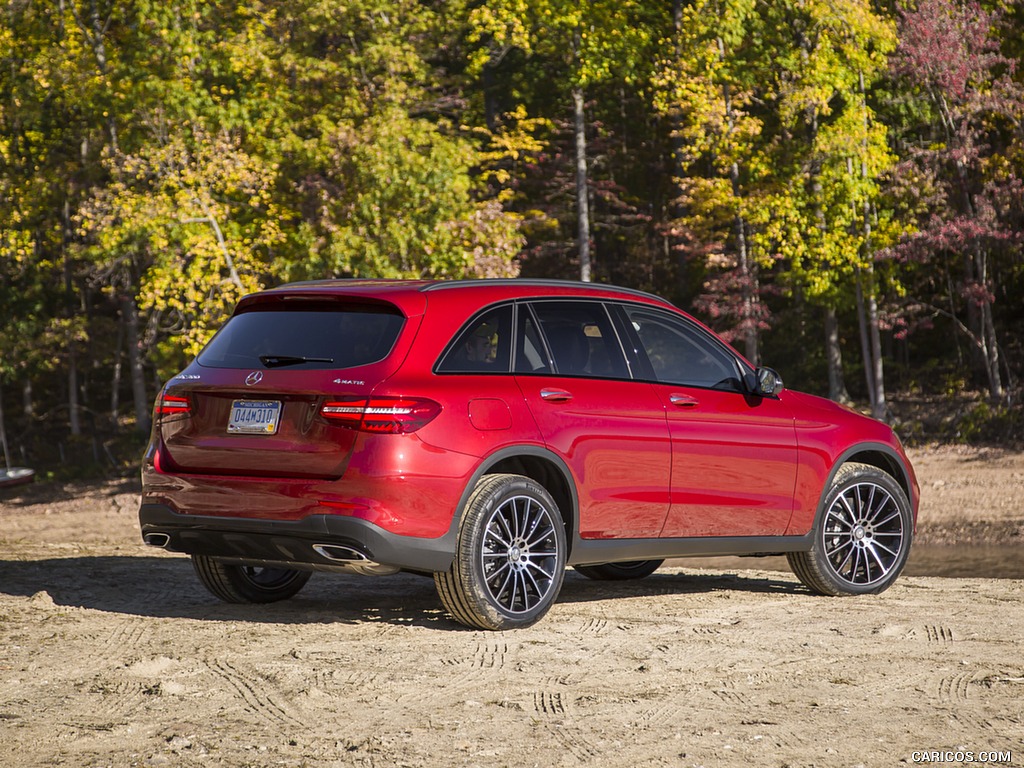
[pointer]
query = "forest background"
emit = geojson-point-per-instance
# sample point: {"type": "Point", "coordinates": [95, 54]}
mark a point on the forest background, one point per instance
{"type": "Point", "coordinates": [837, 186]}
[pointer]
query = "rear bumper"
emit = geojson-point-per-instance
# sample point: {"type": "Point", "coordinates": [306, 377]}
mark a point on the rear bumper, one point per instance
{"type": "Point", "coordinates": [299, 543]}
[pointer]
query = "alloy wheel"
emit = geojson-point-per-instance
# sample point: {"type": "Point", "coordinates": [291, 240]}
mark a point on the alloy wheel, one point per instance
{"type": "Point", "coordinates": [863, 534]}
{"type": "Point", "coordinates": [519, 557]}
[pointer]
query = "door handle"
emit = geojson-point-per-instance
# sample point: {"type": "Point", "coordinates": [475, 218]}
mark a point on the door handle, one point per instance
{"type": "Point", "coordinates": [555, 395]}
{"type": "Point", "coordinates": [683, 401]}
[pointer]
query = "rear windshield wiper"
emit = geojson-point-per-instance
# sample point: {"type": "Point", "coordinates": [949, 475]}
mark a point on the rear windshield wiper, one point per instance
{"type": "Point", "coordinates": [276, 361]}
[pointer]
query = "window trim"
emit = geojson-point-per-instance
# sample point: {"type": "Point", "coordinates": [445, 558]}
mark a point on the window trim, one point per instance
{"type": "Point", "coordinates": [609, 317]}
{"type": "Point", "coordinates": [630, 346]}
{"type": "Point", "coordinates": [744, 368]}
{"type": "Point", "coordinates": [454, 341]}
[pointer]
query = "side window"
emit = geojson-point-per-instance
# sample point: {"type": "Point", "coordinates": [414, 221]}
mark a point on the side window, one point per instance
{"type": "Point", "coordinates": [531, 355]}
{"type": "Point", "coordinates": [483, 346]}
{"type": "Point", "coordinates": [681, 353]}
{"type": "Point", "coordinates": [581, 339]}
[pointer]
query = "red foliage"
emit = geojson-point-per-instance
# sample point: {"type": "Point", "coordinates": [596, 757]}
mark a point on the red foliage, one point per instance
{"type": "Point", "coordinates": [946, 46]}
{"type": "Point", "coordinates": [723, 303]}
{"type": "Point", "coordinates": [955, 235]}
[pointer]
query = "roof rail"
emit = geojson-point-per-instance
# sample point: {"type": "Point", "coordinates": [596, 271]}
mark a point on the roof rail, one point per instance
{"type": "Point", "coordinates": [441, 285]}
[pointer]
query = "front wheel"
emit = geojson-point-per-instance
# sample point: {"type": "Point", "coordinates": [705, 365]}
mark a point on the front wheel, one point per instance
{"type": "Point", "coordinates": [632, 569]}
{"type": "Point", "coordinates": [248, 583]}
{"type": "Point", "coordinates": [510, 558]}
{"type": "Point", "coordinates": [863, 539]}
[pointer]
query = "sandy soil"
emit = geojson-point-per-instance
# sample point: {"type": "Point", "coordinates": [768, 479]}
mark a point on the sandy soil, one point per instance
{"type": "Point", "coordinates": [112, 654]}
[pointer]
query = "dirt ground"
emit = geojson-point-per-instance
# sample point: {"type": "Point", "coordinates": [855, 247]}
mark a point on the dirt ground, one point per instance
{"type": "Point", "coordinates": [112, 654]}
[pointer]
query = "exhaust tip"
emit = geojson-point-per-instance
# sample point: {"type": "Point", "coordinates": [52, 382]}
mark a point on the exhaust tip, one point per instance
{"type": "Point", "coordinates": [156, 539]}
{"type": "Point", "coordinates": [340, 554]}
{"type": "Point", "coordinates": [351, 560]}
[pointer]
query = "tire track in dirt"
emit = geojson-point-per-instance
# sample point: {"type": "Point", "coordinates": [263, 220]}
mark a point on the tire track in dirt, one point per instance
{"type": "Point", "coordinates": [663, 715]}
{"type": "Point", "coordinates": [486, 655]}
{"type": "Point", "coordinates": [555, 710]}
{"type": "Point", "coordinates": [259, 696]}
{"type": "Point", "coordinates": [706, 629]}
{"type": "Point", "coordinates": [593, 626]}
{"type": "Point", "coordinates": [962, 696]}
{"type": "Point", "coordinates": [475, 670]}
{"type": "Point", "coordinates": [125, 637]}
{"type": "Point", "coordinates": [358, 679]}
{"type": "Point", "coordinates": [956, 689]}
{"type": "Point", "coordinates": [939, 634]}
{"type": "Point", "coordinates": [123, 688]}
{"type": "Point", "coordinates": [549, 703]}
{"type": "Point", "coordinates": [121, 699]}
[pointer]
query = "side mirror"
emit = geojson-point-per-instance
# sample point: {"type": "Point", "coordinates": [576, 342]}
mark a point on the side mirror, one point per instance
{"type": "Point", "coordinates": [769, 383]}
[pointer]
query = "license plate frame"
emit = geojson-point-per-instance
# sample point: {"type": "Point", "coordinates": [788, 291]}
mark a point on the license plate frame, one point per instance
{"type": "Point", "coordinates": [254, 417]}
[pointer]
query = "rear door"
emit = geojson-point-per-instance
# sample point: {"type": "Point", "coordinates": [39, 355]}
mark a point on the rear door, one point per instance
{"type": "Point", "coordinates": [734, 455]}
{"type": "Point", "coordinates": [251, 403]}
{"type": "Point", "coordinates": [610, 430]}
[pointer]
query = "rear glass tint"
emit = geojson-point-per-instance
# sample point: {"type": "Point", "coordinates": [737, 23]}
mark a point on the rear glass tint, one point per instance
{"type": "Point", "coordinates": [484, 346]}
{"type": "Point", "coordinates": [304, 338]}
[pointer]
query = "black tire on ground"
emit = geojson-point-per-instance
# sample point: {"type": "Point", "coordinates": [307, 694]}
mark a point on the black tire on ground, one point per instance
{"type": "Point", "coordinates": [510, 557]}
{"type": "Point", "coordinates": [633, 569]}
{"type": "Point", "coordinates": [247, 583]}
{"type": "Point", "coordinates": [863, 537]}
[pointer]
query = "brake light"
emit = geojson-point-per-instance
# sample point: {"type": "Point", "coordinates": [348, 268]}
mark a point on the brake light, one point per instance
{"type": "Point", "coordinates": [385, 415]}
{"type": "Point", "coordinates": [168, 405]}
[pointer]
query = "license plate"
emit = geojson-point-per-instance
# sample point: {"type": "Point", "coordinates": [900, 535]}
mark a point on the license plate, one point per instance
{"type": "Point", "coordinates": [254, 417]}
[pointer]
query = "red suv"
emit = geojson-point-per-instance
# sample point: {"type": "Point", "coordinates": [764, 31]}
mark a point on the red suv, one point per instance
{"type": "Point", "coordinates": [491, 432]}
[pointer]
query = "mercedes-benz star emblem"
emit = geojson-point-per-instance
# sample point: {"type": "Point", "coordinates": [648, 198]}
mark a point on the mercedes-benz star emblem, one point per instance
{"type": "Point", "coordinates": [254, 378]}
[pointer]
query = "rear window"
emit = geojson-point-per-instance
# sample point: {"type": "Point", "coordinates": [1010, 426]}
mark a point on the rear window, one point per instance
{"type": "Point", "coordinates": [484, 346]}
{"type": "Point", "coordinates": [304, 338]}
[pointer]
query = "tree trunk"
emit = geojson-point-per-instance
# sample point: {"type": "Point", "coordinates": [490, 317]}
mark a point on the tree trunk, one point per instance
{"type": "Point", "coordinates": [879, 407]}
{"type": "Point", "coordinates": [115, 383]}
{"type": "Point", "coordinates": [3, 430]}
{"type": "Point", "coordinates": [490, 103]}
{"type": "Point", "coordinates": [582, 200]}
{"type": "Point", "coordinates": [995, 379]}
{"type": "Point", "coordinates": [74, 422]}
{"type": "Point", "coordinates": [865, 344]}
{"type": "Point", "coordinates": [834, 357]}
{"type": "Point", "coordinates": [749, 283]}
{"type": "Point", "coordinates": [988, 330]}
{"type": "Point", "coordinates": [130, 314]}
{"type": "Point", "coordinates": [209, 218]}
{"type": "Point", "coordinates": [872, 346]}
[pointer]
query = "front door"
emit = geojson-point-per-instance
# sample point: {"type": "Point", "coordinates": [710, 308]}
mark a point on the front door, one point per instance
{"type": "Point", "coordinates": [734, 455]}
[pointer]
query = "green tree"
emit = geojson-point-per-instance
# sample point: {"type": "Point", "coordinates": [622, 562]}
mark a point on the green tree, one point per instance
{"type": "Point", "coordinates": [591, 43]}
{"type": "Point", "coordinates": [778, 151]}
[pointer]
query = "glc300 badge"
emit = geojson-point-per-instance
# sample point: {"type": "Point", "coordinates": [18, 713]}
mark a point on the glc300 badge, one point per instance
{"type": "Point", "coordinates": [254, 378]}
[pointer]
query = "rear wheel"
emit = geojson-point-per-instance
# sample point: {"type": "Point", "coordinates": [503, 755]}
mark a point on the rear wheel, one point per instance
{"type": "Point", "coordinates": [510, 559]}
{"type": "Point", "coordinates": [633, 569]}
{"type": "Point", "coordinates": [862, 541]}
{"type": "Point", "coordinates": [248, 583]}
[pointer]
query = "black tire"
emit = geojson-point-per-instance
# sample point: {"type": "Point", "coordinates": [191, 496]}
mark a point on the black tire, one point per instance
{"type": "Point", "coordinates": [863, 537]}
{"type": "Point", "coordinates": [248, 583]}
{"type": "Point", "coordinates": [633, 569]}
{"type": "Point", "coordinates": [510, 558]}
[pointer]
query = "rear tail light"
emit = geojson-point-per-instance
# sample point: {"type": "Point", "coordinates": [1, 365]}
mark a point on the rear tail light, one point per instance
{"type": "Point", "coordinates": [170, 405]}
{"type": "Point", "coordinates": [385, 415]}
